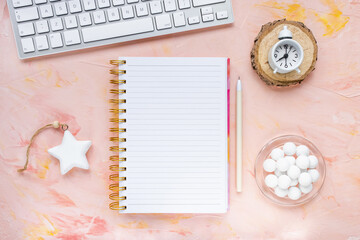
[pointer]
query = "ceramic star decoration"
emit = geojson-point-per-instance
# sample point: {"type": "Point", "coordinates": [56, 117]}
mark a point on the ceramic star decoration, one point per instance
{"type": "Point", "coordinates": [71, 153]}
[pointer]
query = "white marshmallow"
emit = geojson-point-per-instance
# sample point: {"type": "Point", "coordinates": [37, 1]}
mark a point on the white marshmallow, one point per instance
{"type": "Point", "coordinates": [294, 193]}
{"type": "Point", "coordinates": [284, 181]}
{"type": "Point", "coordinates": [281, 192]}
{"type": "Point", "coordinates": [302, 162]}
{"type": "Point", "coordinates": [277, 153]}
{"type": "Point", "coordinates": [293, 172]}
{"type": "Point", "coordinates": [289, 148]}
{"type": "Point", "coordinates": [304, 179]}
{"type": "Point", "coordinates": [269, 165]}
{"type": "Point", "coordinates": [313, 161]}
{"type": "Point", "coordinates": [294, 182]}
{"type": "Point", "coordinates": [283, 164]}
{"type": "Point", "coordinates": [290, 159]}
{"type": "Point", "coordinates": [306, 189]}
{"type": "Point", "coordinates": [302, 150]}
{"type": "Point", "coordinates": [314, 175]}
{"type": "Point", "coordinates": [271, 180]}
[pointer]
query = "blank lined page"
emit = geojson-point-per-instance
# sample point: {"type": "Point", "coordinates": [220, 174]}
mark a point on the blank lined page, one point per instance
{"type": "Point", "coordinates": [176, 135]}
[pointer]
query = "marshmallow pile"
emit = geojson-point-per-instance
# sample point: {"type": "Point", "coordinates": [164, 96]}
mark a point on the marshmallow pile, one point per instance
{"type": "Point", "coordinates": [292, 170]}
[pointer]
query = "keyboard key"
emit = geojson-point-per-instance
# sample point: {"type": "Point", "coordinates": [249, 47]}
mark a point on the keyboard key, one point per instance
{"type": "Point", "coordinates": [170, 5]}
{"type": "Point", "coordinates": [118, 29]}
{"type": "Point", "coordinates": [221, 15]}
{"type": "Point", "coordinates": [42, 26]}
{"type": "Point", "coordinates": [41, 43]}
{"type": "Point", "coordinates": [163, 22]}
{"type": "Point", "coordinates": [60, 8]}
{"type": "Point", "coordinates": [132, 1]}
{"type": "Point", "coordinates": [208, 17]}
{"type": "Point", "coordinates": [26, 29]}
{"type": "Point", "coordinates": [40, 1]}
{"type": "Point", "coordinates": [27, 45]}
{"type": "Point", "coordinates": [26, 14]}
{"type": "Point", "coordinates": [113, 14]}
{"type": "Point", "coordinates": [198, 3]}
{"type": "Point", "coordinates": [55, 40]}
{"type": "Point", "coordinates": [99, 17]}
{"type": "Point", "coordinates": [56, 24]}
{"type": "Point", "coordinates": [89, 5]}
{"type": "Point", "coordinates": [74, 6]}
{"type": "Point", "coordinates": [155, 7]}
{"type": "Point", "coordinates": [71, 37]}
{"type": "Point", "coordinates": [84, 19]}
{"type": "Point", "coordinates": [103, 3]}
{"type": "Point", "coordinates": [127, 12]}
{"type": "Point", "coordinates": [206, 10]}
{"type": "Point", "coordinates": [118, 2]}
{"type": "Point", "coordinates": [142, 10]}
{"type": "Point", "coordinates": [21, 3]}
{"type": "Point", "coordinates": [179, 19]}
{"type": "Point", "coordinates": [194, 20]}
{"type": "Point", "coordinates": [70, 22]}
{"type": "Point", "coordinates": [46, 11]}
{"type": "Point", "coordinates": [183, 4]}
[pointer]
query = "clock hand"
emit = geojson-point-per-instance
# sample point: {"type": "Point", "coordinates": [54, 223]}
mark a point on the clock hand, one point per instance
{"type": "Point", "coordinates": [285, 56]}
{"type": "Point", "coordinates": [289, 50]}
{"type": "Point", "coordinates": [281, 58]}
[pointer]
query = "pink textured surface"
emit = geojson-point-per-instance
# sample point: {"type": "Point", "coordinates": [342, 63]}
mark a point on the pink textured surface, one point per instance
{"type": "Point", "coordinates": [72, 88]}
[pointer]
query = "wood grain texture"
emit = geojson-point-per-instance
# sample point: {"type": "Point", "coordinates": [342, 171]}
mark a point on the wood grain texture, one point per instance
{"type": "Point", "coordinates": [264, 41]}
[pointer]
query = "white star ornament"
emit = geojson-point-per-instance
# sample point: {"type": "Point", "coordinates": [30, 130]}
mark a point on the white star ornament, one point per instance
{"type": "Point", "coordinates": [71, 153]}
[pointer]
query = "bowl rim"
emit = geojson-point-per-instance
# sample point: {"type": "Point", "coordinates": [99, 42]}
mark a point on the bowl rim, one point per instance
{"type": "Point", "coordinates": [295, 203]}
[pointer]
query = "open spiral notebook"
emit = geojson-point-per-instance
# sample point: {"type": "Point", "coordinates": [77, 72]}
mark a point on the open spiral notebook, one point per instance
{"type": "Point", "coordinates": [170, 135]}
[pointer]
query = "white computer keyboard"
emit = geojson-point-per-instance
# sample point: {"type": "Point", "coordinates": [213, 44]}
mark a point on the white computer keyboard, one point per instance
{"type": "Point", "coordinates": [43, 27]}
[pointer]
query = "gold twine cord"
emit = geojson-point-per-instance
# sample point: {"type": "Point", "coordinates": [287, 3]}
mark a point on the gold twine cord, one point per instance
{"type": "Point", "coordinates": [55, 124]}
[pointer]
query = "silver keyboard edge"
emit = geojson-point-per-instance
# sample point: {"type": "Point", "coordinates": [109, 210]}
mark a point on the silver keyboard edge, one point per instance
{"type": "Point", "coordinates": [112, 41]}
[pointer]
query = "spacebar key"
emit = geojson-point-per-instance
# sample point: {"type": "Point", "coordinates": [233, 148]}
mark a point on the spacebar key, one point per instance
{"type": "Point", "coordinates": [119, 29]}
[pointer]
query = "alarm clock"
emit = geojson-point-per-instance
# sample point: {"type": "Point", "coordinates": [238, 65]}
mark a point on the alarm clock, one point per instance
{"type": "Point", "coordinates": [287, 54]}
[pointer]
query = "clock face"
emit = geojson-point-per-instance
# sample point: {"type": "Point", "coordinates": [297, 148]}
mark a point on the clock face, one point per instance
{"type": "Point", "coordinates": [286, 56]}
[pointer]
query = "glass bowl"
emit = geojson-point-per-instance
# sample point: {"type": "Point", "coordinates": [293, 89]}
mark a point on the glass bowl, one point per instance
{"type": "Point", "coordinates": [260, 173]}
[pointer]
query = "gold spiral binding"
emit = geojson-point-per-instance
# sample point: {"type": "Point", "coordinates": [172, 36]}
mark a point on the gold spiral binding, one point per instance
{"type": "Point", "coordinates": [116, 159]}
{"type": "Point", "coordinates": [116, 197]}
{"type": "Point", "coordinates": [117, 130]}
{"type": "Point", "coordinates": [117, 139]}
{"type": "Point", "coordinates": [117, 62]}
{"type": "Point", "coordinates": [116, 177]}
{"type": "Point", "coordinates": [117, 71]}
{"type": "Point", "coordinates": [118, 110]}
{"type": "Point", "coordinates": [116, 206]}
{"type": "Point", "coordinates": [117, 120]}
{"type": "Point", "coordinates": [116, 188]}
{"type": "Point", "coordinates": [117, 101]}
{"type": "Point", "coordinates": [117, 91]}
{"type": "Point", "coordinates": [117, 168]}
{"type": "Point", "coordinates": [117, 81]}
{"type": "Point", "coordinates": [117, 149]}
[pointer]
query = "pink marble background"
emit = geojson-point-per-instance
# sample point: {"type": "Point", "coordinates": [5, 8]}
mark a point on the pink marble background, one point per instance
{"type": "Point", "coordinates": [72, 88]}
